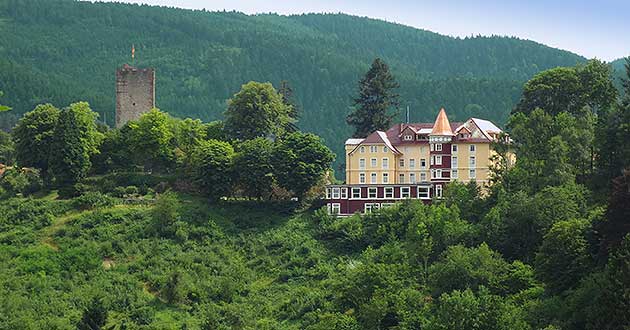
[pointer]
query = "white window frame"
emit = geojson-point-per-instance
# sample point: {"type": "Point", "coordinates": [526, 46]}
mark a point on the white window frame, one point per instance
{"type": "Point", "coordinates": [432, 147]}
{"type": "Point", "coordinates": [472, 174]}
{"type": "Point", "coordinates": [453, 148]}
{"type": "Point", "coordinates": [423, 193]}
{"type": "Point", "coordinates": [423, 163]}
{"type": "Point", "coordinates": [373, 149]}
{"type": "Point", "coordinates": [373, 162]}
{"type": "Point", "coordinates": [385, 177]}
{"type": "Point", "coordinates": [385, 163]}
{"type": "Point", "coordinates": [412, 177]}
{"type": "Point", "coordinates": [412, 163]}
{"type": "Point", "coordinates": [438, 191]}
{"type": "Point", "coordinates": [405, 192]}
{"type": "Point", "coordinates": [385, 149]}
{"type": "Point", "coordinates": [454, 174]}
{"type": "Point", "coordinates": [369, 207]}
{"type": "Point", "coordinates": [328, 193]}
{"type": "Point", "coordinates": [373, 177]}
{"type": "Point", "coordinates": [472, 148]}
{"type": "Point", "coordinates": [372, 190]}
{"type": "Point", "coordinates": [335, 208]}
{"type": "Point", "coordinates": [362, 149]}
{"type": "Point", "coordinates": [438, 174]}
{"type": "Point", "coordinates": [401, 162]}
{"type": "Point", "coordinates": [401, 178]}
{"type": "Point", "coordinates": [438, 147]}
{"type": "Point", "coordinates": [407, 137]}
{"type": "Point", "coordinates": [472, 162]}
{"type": "Point", "coordinates": [362, 177]}
{"type": "Point", "coordinates": [438, 160]}
{"type": "Point", "coordinates": [386, 205]}
{"type": "Point", "coordinates": [453, 161]}
{"type": "Point", "coordinates": [344, 193]}
{"type": "Point", "coordinates": [362, 163]}
{"type": "Point", "coordinates": [423, 177]}
{"type": "Point", "coordinates": [388, 192]}
{"type": "Point", "coordinates": [354, 193]}
{"type": "Point", "coordinates": [336, 193]}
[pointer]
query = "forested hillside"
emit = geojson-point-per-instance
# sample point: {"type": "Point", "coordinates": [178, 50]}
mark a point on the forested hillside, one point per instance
{"type": "Point", "coordinates": [61, 51]}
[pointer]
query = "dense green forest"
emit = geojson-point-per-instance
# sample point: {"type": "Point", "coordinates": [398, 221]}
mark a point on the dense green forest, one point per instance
{"type": "Point", "coordinates": [171, 223]}
{"type": "Point", "coordinates": [177, 223]}
{"type": "Point", "coordinates": [60, 51]}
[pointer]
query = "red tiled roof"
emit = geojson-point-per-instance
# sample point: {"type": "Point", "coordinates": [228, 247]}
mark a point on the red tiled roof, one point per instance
{"type": "Point", "coordinates": [393, 134]}
{"type": "Point", "coordinates": [379, 137]}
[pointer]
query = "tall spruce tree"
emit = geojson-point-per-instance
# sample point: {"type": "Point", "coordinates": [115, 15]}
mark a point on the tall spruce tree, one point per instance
{"type": "Point", "coordinates": [624, 129]}
{"type": "Point", "coordinates": [377, 97]}
{"type": "Point", "coordinates": [288, 98]}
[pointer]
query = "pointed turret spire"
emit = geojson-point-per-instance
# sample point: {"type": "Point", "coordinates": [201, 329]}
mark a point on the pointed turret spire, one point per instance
{"type": "Point", "coordinates": [442, 126]}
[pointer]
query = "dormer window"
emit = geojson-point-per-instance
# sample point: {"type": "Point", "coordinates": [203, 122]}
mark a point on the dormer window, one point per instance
{"type": "Point", "coordinates": [408, 137]}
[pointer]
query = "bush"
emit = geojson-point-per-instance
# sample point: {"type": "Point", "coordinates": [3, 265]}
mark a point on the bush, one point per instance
{"type": "Point", "coordinates": [345, 231]}
{"type": "Point", "coordinates": [92, 200]}
{"type": "Point", "coordinates": [74, 190]}
{"type": "Point", "coordinates": [23, 181]}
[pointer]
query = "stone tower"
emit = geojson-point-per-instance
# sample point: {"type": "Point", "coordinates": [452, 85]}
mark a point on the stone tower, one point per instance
{"type": "Point", "coordinates": [135, 93]}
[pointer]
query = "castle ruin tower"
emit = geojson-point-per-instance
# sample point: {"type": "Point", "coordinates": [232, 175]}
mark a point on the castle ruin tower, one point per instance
{"type": "Point", "coordinates": [135, 93]}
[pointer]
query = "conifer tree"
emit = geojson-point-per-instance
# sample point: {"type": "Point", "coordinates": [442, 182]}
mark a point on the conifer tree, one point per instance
{"type": "Point", "coordinates": [288, 98]}
{"type": "Point", "coordinates": [377, 97]}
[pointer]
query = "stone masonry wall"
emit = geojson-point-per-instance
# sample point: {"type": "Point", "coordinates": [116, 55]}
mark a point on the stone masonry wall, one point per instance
{"type": "Point", "coordinates": [135, 93]}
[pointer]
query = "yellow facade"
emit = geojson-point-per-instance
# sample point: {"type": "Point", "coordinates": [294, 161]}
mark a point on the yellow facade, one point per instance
{"type": "Point", "coordinates": [374, 161]}
{"type": "Point", "coordinates": [413, 163]}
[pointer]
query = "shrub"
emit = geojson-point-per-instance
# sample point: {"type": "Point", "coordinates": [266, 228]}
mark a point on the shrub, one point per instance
{"type": "Point", "coordinates": [23, 181]}
{"type": "Point", "coordinates": [132, 190]}
{"type": "Point", "coordinates": [74, 190]}
{"type": "Point", "coordinates": [92, 200]}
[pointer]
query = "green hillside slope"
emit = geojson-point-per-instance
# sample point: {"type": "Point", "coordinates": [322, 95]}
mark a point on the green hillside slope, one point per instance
{"type": "Point", "coordinates": [61, 50]}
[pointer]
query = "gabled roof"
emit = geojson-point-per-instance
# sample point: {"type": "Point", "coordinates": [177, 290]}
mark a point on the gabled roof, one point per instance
{"type": "Point", "coordinates": [354, 141]}
{"type": "Point", "coordinates": [410, 128]}
{"type": "Point", "coordinates": [378, 137]}
{"type": "Point", "coordinates": [486, 125]}
{"type": "Point", "coordinates": [462, 127]}
{"type": "Point", "coordinates": [441, 125]}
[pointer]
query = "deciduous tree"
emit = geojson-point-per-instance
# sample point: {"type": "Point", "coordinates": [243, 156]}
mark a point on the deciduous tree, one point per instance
{"type": "Point", "coordinates": [33, 137]}
{"type": "Point", "coordinates": [257, 110]}
{"type": "Point", "coordinates": [149, 139]}
{"type": "Point", "coordinates": [300, 161]}
{"type": "Point", "coordinates": [211, 168]}
{"type": "Point", "coordinates": [75, 140]}
{"type": "Point", "coordinates": [563, 258]}
{"type": "Point", "coordinates": [253, 169]}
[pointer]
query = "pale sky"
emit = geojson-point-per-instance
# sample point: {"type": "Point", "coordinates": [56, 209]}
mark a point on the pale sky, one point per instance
{"type": "Point", "coordinates": [589, 28]}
